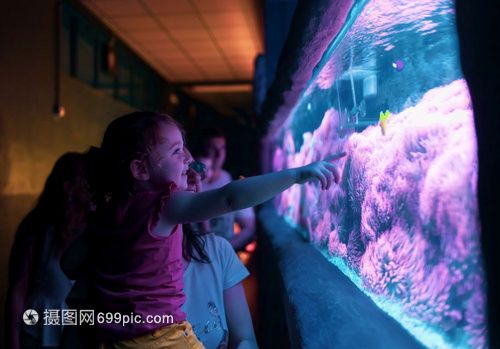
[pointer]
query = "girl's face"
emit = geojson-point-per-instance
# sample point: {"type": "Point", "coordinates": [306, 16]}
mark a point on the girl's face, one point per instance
{"type": "Point", "coordinates": [168, 162]}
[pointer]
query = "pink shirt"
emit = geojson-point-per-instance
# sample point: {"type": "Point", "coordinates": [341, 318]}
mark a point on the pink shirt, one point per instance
{"type": "Point", "coordinates": [136, 272]}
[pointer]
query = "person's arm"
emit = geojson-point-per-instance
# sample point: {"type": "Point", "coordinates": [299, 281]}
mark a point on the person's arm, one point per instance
{"type": "Point", "coordinates": [74, 256]}
{"type": "Point", "coordinates": [246, 234]}
{"type": "Point", "coordinates": [185, 207]}
{"type": "Point", "coordinates": [14, 311]}
{"type": "Point", "coordinates": [20, 269]}
{"type": "Point", "coordinates": [239, 321]}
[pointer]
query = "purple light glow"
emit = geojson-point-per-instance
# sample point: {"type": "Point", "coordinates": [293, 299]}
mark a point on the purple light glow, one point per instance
{"type": "Point", "coordinates": [405, 216]}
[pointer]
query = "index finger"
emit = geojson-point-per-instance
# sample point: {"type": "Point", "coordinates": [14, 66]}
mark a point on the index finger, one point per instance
{"type": "Point", "coordinates": [335, 156]}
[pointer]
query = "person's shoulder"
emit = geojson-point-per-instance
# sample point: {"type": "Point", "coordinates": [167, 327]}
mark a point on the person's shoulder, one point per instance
{"type": "Point", "coordinates": [225, 176]}
{"type": "Point", "coordinates": [218, 247]}
{"type": "Point", "coordinates": [216, 242]}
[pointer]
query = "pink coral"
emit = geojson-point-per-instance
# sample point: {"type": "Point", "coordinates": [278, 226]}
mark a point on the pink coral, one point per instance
{"type": "Point", "coordinates": [389, 263]}
{"type": "Point", "coordinates": [335, 247]}
{"type": "Point", "coordinates": [475, 315]}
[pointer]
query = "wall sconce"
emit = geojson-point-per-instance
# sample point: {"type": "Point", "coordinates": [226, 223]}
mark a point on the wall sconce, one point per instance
{"type": "Point", "coordinates": [173, 99]}
{"type": "Point", "coordinates": [58, 111]}
{"type": "Point", "coordinates": [108, 56]}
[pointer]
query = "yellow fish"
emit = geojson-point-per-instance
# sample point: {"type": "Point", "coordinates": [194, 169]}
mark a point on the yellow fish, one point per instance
{"type": "Point", "coordinates": [383, 119]}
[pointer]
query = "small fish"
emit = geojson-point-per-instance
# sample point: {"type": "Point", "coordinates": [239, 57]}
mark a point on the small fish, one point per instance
{"type": "Point", "coordinates": [398, 65]}
{"type": "Point", "coordinates": [359, 110]}
{"type": "Point", "coordinates": [384, 116]}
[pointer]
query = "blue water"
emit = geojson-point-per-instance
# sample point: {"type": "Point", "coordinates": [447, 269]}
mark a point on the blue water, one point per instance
{"type": "Point", "coordinates": [368, 49]}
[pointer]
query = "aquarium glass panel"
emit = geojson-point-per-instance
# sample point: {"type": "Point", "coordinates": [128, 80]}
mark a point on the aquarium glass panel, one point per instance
{"type": "Point", "coordinates": [403, 222]}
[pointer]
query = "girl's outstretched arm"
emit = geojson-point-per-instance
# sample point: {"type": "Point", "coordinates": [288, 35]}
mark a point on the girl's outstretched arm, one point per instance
{"type": "Point", "coordinates": [187, 207]}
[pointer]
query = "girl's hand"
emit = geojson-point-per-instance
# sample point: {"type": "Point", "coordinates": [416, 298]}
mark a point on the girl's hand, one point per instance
{"type": "Point", "coordinates": [323, 171]}
{"type": "Point", "coordinates": [193, 181]}
{"type": "Point", "coordinates": [193, 177]}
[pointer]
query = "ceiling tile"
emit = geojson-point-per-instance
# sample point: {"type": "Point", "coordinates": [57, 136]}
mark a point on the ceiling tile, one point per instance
{"type": "Point", "coordinates": [233, 44]}
{"type": "Point", "coordinates": [198, 46]}
{"type": "Point", "coordinates": [173, 56]}
{"type": "Point", "coordinates": [170, 76]}
{"type": "Point", "coordinates": [215, 65]}
{"type": "Point", "coordinates": [224, 19]}
{"type": "Point", "coordinates": [150, 36]}
{"type": "Point", "coordinates": [247, 59]}
{"type": "Point", "coordinates": [131, 24]}
{"type": "Point", "coordinates": [187, 40]}
{"type": "Point", "coordinates": [190, 34]}
{"type": "Point", "coordinates": [160, 46]}
{"type": "Point", "coordinates": [119, 8]}
{"type": "Point", "coordinates": [91, 6]}
{"type": "Point", "coordinates": [182, 21]}
{"type": "Point", "coordinates": [177, 62]}
{"type": "Point", "coordinates": [244, 76]}
{"type": "Point", "coordinates": [165, 7]}
{"type": "Point", "coordinates": [231, 33]}
{"type": "Point", "coordinates": [188, 75]}
{"type": "Point", "coordinates": [218, 76]}
{"type": "Point", "coordinates": [238, 54]}
{"type": "Point", "coordinates": [217, 5]}
{"type": "Point", "coordinates": [241, 65]}
{"type": "Point", "coordinates": [215, 68]}
{"type": "Point", "coordinates": [209, 54]}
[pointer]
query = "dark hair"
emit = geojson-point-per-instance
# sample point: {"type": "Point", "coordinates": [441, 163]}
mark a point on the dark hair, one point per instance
{"type": "Point", "coordinates": [199, 144]}
{"type": "Point", "coordinates": [208, 133]}
{"type": "Point", "coordinates": [128, 137]}
{"type": "Point", "coordinates": [199, 151]}
{"type": "Point", "coordinates": [193, 245]}
{"type": "Point", "coordinates": [49, 208]}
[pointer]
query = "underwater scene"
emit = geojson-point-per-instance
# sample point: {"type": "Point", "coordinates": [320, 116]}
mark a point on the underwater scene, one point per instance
{"type": "Point", "coordinates": [403, 223]}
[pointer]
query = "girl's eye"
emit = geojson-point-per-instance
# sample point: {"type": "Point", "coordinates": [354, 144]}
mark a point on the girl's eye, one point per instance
{"type": "Point", "coordinates": [177, 151]}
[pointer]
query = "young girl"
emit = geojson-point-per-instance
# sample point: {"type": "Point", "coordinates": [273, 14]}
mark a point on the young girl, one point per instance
{"type": "Point", "coordinates": [136, 237]}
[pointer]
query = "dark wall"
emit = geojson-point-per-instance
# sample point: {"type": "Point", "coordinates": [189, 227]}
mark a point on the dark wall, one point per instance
{"type": "Point", "coordinates": [479, 36]}
{"type": "Point", "coordinates": [278, 15]}
{"type": "Point", "coordinates": [31, 139]}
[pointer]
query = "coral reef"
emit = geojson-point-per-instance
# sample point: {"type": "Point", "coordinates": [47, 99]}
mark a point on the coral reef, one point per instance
{"type": "Point", "coordinates": [404, 216]}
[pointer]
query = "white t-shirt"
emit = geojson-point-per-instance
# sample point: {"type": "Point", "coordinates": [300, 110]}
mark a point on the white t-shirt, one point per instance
{"type": "Point", "coordinates": [204, 285]}
{"type": "Point", "coordinates": [49, 291]}
{"type": "Point", "coordinates": [223, 225]}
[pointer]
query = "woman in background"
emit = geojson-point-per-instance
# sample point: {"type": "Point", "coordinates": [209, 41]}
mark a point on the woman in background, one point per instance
{"type": "Point", "coordinates": [36, 280]}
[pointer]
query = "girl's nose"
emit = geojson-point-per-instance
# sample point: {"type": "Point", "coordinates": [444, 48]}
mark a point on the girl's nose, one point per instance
{"type": "Point", "coordinates": [187, 156]}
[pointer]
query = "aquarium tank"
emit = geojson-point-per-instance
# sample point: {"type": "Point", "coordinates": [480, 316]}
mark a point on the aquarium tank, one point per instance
{"type": "Point", "coordinates": [403, 222]}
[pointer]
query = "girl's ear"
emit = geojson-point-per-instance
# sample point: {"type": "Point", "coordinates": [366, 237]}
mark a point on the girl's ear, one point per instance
{"type": "Point", "coordinates": [139, 170]}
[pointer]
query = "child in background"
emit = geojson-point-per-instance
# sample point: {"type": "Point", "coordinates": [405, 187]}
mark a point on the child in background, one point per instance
{"type": "Point", "coordinates": [216, 304]}
{"type": "Point", "coordinates": [136, 236]}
